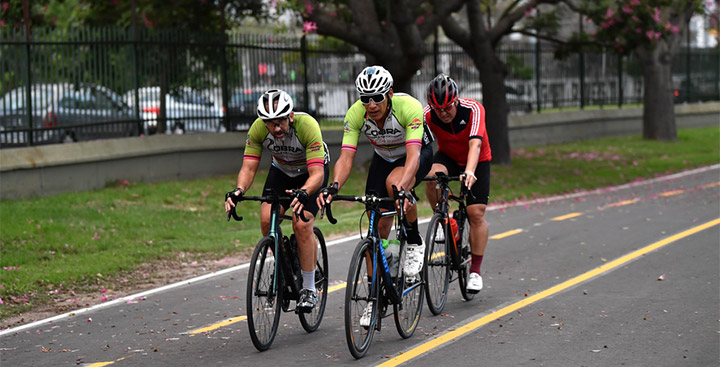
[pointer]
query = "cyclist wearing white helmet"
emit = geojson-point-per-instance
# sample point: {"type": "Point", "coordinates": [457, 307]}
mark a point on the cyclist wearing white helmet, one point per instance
{"type": "Point", "coordinates": [300, 160]}
{"type": "Point", "coordinates": [393, 123]}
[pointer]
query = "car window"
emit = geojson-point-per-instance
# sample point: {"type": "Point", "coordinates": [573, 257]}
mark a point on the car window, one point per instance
{"type": "Point", "coordinates": [102, 101]}
{"type": "Point", "coordinates": [81, 99]}
{"type": "Point", "coordinates": [16, 100]}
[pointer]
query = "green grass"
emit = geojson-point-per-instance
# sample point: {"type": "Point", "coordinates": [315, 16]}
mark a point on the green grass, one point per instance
{"type": "Point", "coordinates": [77, 241]}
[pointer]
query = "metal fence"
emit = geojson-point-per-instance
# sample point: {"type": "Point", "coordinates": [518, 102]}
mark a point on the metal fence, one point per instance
{"type": "Point", "coordinates": [93, 83]}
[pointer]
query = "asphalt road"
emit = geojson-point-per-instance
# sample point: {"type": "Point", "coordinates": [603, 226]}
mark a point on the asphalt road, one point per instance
{"type": "Point", "coordinates": [624, 276]}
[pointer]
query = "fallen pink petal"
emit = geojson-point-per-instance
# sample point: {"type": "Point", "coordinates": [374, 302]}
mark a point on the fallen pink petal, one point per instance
{"type": "Point", "coordinates": [662, 277]}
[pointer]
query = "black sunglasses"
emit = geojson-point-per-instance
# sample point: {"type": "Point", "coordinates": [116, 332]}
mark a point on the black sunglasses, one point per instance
{"type": "Point", "coordinates": [377, 98]}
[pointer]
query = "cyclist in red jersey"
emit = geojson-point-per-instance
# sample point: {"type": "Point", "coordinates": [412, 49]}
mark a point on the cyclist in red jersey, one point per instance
{"type": "Point", "coordinates": [463, 148]}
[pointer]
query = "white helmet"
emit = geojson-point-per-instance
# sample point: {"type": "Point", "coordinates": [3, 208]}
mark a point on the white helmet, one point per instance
{"type": "Point", "coordinates": [373, 80]}
{"type": "Point", "coordinates": [266, 108]}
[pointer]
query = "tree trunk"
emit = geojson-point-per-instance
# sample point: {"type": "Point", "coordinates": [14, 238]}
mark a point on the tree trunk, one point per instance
{"type": "Point", "coordinates": [658, 110]}
{"type": "Point", "coordinates": [492, 77]}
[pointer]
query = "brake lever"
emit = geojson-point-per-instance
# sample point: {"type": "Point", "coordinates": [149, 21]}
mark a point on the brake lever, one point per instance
{"type": "Point", "coordinates": [233, 213]}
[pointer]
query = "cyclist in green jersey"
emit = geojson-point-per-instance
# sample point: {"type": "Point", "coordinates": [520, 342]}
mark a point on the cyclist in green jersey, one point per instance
{"type": "Point", "coordinates": [393, 123]}
{"type": "Point", "coordinates": [300, 161]}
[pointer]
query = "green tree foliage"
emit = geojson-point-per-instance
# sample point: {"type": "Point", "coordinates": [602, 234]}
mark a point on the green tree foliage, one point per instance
{"type": "Point", "coordinates": [203, 15]}
{"type": "Point", "coordinates": [389, 32]}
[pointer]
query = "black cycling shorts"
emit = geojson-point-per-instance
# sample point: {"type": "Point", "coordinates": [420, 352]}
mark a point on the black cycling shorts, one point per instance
{"type": "Point", "coordinates": [279, 181]}
{"type": "Point", "coordinates": [380, 169]}
{"type": "Point", "coordinates": [481, 188]}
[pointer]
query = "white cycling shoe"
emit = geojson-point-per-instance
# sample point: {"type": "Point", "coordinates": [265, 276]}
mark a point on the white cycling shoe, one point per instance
{"type": "Point", "coordinates": [440, 234]}
{"type": "Point", "coordinates": [414, 257]}
{"type": "Point", "coordinates": [475, 283]}
{"type": "Point", "coordinates": [366, 316]}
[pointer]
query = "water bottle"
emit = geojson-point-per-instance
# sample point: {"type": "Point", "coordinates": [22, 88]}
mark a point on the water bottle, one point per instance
{"type": "Point", "coordinates": [394, 250]}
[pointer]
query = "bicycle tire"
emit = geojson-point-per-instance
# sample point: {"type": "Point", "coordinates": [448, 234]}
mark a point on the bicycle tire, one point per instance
{"type": "Point", "coordinates": [437, 269]}
{"type": "Point", "coordinates": [464, 254]}
{"type": "Point", "coordinates": [263, 305]}
{"type": "Point", "coordinates": [310, 321]}
{"type": "Point", "coordinates": [357, 297]}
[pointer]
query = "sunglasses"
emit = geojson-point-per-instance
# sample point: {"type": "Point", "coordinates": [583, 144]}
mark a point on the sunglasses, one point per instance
{"type": "Point", "coordinates": [377, 98]}
{"type": "Point", "coordinates": [444, 109]}
{"type": "Point", "coordinates": [276, 122]}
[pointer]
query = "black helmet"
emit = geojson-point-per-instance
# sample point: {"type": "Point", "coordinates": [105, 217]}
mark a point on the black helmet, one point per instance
{"type": "Point", "coordinates": [442, 91]}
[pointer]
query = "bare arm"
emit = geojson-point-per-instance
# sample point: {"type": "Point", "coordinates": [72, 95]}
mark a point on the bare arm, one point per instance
{"type": "Point", "coordinates": [341, 172]}
{"type": "Point", "coordinates": [316, 175]}
{"type": "Point", "coordinates": [247, 173]}
{"type": "Point", "coordinates": [343, 166]}
{"type": "Point", "coordinates": [412, 162]}
{"type": "Point", "coordinates": [313, 183]}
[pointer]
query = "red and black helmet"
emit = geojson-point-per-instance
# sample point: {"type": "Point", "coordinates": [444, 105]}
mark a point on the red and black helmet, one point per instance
{"type": "Point", "coordinates": [442, 92]}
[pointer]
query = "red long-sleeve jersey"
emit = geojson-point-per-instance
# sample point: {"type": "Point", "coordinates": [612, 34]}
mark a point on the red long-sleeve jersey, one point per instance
{"type": "Point", "coordinates": [453, 138]}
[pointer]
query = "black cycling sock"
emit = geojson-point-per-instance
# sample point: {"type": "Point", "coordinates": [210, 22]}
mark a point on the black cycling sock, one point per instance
{"type": "Point", "coordinates": [413, 234]}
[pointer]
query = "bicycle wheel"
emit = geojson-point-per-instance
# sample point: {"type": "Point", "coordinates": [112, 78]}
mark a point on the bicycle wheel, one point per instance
{"type": "Point", "coordinates": [264, 298]}
{"type": "Point", "coordinates": [311, 320]}
{"type": "Point", "coordinates": [437, 271]}
{"type": "Point", "coordinates": [407, 314]}
{"type": "Point", "coordinates": [359, 294]}
{"type": "Point", "coordinates": [464, 253]}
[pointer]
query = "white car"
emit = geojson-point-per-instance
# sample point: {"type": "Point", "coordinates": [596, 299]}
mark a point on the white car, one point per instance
{"type": "Point", "coordinates": [187, 110]}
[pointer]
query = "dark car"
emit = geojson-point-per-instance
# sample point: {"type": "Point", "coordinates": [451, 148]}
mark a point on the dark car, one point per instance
{"type": "Point", "coordinates": [63, 113]}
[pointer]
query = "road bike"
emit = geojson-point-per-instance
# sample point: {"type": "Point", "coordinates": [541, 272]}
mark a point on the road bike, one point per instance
{"type": "Point", "coordinates": [275, 278]}
{"type": "Point", "coordinates": [370, 280]}
{"type": "Point", "coordinates": [447, 258]}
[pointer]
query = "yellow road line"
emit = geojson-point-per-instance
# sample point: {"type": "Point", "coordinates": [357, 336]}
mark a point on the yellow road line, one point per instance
{"type": "Point", "coordinates": [506, 234]}
{"type": "Point", "coordinates": [233, 320]}
{"type": "Point", "coordinates": [101, 364]}
{"type": "Point", "coordinates": [337, 287]}
{"type": "Point", "coordinates": [218, 325]}
{"type": "Point", "coordinates": [567, 216]}
{"type": "Point", "coordinates": [671, 193]}
{"type": "Point", "coordinates": [437, 255]}
{"type": "Point", "coordinates": [712, 185]}
{"type": "Point", "coordinates": [429, 345]}
{"type": "Point", "coordinates": [626, 202]}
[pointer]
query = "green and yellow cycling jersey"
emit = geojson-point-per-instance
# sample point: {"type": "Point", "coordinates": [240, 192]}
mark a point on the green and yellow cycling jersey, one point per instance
{"type": "Point", "coordinates": [403, 126]}
{"type": "Point", "coordinates": [299, 149]}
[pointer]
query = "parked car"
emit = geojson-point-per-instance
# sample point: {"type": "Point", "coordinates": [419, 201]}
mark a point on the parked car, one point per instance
{"type": "Point", "coordinates": [187, 110]}
{"type": "Point", "coordinates": [63, 113]}
{"type": "Point", "coordinates": [242, 109]}
{"type": "Point", "coordinates": [517, 102]}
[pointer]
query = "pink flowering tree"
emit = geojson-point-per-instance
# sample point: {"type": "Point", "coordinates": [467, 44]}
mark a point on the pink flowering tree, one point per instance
{"type": "Point", "coordinates": [652, 30]}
